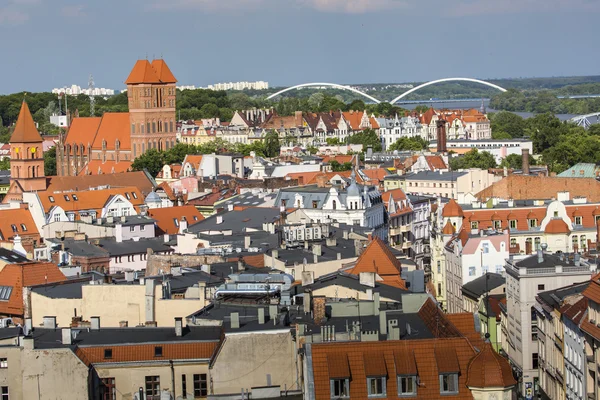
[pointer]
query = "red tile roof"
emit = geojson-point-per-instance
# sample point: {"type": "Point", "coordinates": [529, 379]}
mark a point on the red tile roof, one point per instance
{"type": "Point", "coordinates": [12, 222]}
{"type": "Point", "coordinates": [145, 352]}
{"type": "Point", "coordinates": [142, 72]}
{"type": "Point", "coordinates": [165, 218]}
{"type": "Point", "coordinates": [89, 199]}
{"type": "Point", "coordinates": [488, 369]}
{"type": "Point", "coordinates": [592, 292]}
{"type": "Point", "coordinates": [82, 132]}
{"type": "Point", "coordinates": [452, 209]}
{"type": "Point", "coordinates": [25, 128]}
{"type": "Point", "coordinates": [378, 258]}
{"type": "Point", "coordinates": [449, 229]}
{"type": "Point", "coordinates": [163, 72]}
{"type": "Point", "coordinates": [113, 127]}
{"type": "Point", "coordinates": [557, 225]}
{"type": "Point", "coordinates": [22, 275]}
{"type": "Point", "coordinates": [97, 167]}
{"type": "Point", "coordinates": [533, 187]}
{"type": "Point", "coordinates": [66, 183]}
{"type": "Point", "coordinates": [576, 311]}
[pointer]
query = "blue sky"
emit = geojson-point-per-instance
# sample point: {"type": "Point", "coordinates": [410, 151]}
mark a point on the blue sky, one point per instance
{"type": "Point", "coordinates": [50, 43]}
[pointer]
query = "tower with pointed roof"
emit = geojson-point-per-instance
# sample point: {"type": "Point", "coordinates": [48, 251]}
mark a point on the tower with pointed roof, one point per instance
{"type": "Point", "coordinates": [151, 94]}
{"type": "Point", "coordinates": [26, 157]}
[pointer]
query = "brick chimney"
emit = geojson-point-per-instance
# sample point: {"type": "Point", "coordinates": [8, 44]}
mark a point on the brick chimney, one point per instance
{"type": "Point", "coordinates": [318, 309]}
{"type": "Point", "coordinates": [322, 181]}
{"type": "Point", "coordinates": [441, 136]}
{"type": "Point", "coordinates": [525, 157]}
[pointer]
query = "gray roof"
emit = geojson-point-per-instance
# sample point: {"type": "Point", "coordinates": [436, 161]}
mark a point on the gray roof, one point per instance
{"type": "Point", "coordinates": [549, 261]}
{"type": "Point", "coordinates": [554, 298]}
{"type": "Point", "coordinates": [129, 247]}
{"type": "Point", "coordinates": [238, 220]}
{"type": "Point", "coordinates": [435, 176]}
{"type": "Point", "coordinates": [311, 193]}
{"type": "Point", "coordinates": [11, 257]}
{"type": "Point", "coordinates": [63, 290]}
{"type": "Point", "coordinates": [130, 220]}
{"type": "Point", "coordinates": [477, 287]}
{"type": "Point", "coordinates": [328, 253]}
{"type": "Point", "coordinates": [81, 248]}
{"type": "Point", "coordinates": [52, 338]}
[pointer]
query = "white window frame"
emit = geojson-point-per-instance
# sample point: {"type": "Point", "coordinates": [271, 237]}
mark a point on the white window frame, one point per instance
{"type": "Point", "coordinates": [345, 394]}
{"type": "Point", "coordinates": [454, 377]}
{"type": "Point", "coordinates": [383, 382]}
{"type": "Point", "coordinates": [412, 378]}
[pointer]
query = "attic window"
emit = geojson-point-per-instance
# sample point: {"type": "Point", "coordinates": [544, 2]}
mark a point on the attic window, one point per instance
{"type": "Point", "coordinates": [107, 353]}
{"type": "Point", "coordinates": [5, 292]}
{"type": "Point", "coordinates": [127, 195]}
{"type": "Point", "coordinates": [134, 195]}
{"type": "Point", "coordinates": [67, 198]}
{"type": "Point", "coordinates": [158, 351]}
{"type": "Point", "coordinates": [176, 221]}
{"type": "Point", "coordinates": [14, 227]}
{"type": "Point", "coordinates": [74, 197]}
{"type": "Point", "coordinates": [51, 198]}
{"type": "Point", "coordinates": [24, 228]}
{"type": "Point", "coordinates": [195, 218]}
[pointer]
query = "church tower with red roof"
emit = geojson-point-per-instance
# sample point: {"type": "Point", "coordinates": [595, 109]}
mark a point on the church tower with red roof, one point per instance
{"type": "Point", "coordinates": [151, 92]}
{"type": "Point", "coordinates": [26, 157]}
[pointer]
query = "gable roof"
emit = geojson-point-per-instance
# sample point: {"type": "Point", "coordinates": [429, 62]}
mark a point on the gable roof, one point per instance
{"type": "Point", "coordinates": [378, 258]}
{"type": "Point", "coordinates": [65, 183]}
{"type": "Point", "coordinates": [88, 199]}
{"type": "Point", "coordinates": [165, 218]}
{"type": "Point", "coordinates": [142, 72]}
{"type": "Point", "coordinates": [83, 132]}
{"type": "Point", "coordinates": [25, 129]}
{"type": "Point", "coordinates": [113, 127]}
{"type": "Point", "coordinates": [163, 72]}
{"type": "Point", "coordinates": [12, 222]}
{"type": "Point", "coordinates": [489, 370]}
{"type": "Point", "coordinates": [19, 275]}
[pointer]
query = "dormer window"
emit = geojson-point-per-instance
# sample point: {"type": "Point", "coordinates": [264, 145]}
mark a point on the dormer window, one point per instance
{"type": "Point", "coordinates": [474, 225]}
{"type": "Point", "coordinates": [407, 386]}
{"type": "Point", "coordinates": [24, 227]}
{"type": "Point", "coordinates": [134, 195]}
{"type": "Point", "coordinates": [103, 144]}
{"type": "Point", "coordinates": [340, 388]}
{"type": "Point", "coordinates": [67, 198]}
{"type": "Point", "coordinates": [512, 223]}
{"type": "Point", "coordinates": [127, 196]}
{"type": "Point", "coordinates": [448, 383]}
{"type": "Point", "coordinates": [533, 223]}
{"type": "Point", "coordinates": [14, 228]}
{"type": "Point", "coordinates": [578, 220]}
{"type": "Point", "coordinates": [376, 386]}
{"type": "Point", "coordinates": [497, 224]}
{"type": "Point", "coordinates": [75, 198]}
{"type": "Point", "coordinates": [51, 198]}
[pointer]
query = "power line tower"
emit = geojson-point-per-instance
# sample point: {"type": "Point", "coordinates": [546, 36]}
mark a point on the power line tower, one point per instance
{"type": "Point", "coordinates": [91, 96]}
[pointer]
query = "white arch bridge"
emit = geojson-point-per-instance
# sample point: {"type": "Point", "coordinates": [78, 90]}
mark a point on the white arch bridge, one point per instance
{"type": "Point", "coordinates": [373, 99]}
{"type": "Point", "coordinates": [584, 120]}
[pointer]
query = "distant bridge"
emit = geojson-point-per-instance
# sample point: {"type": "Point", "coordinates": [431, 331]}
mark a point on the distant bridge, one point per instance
{"type": "Point", "coordinates": [584, 120]}
{"type": "Point", "coordinates": [440, 101]}
{"type": "Point", "coordinates": [373, 99]}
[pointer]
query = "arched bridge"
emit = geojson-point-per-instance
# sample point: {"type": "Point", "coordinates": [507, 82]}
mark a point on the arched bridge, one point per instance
{"type": "Point", "coordinates": [447, 80]}
{"type": "Point", "coordinates": [334, 85]}
{"type": "Point", "coordinates": [373, 99]}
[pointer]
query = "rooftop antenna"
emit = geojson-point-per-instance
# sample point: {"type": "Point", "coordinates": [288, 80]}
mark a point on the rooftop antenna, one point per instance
{"type": "Point", "coordinates": [91, 95]}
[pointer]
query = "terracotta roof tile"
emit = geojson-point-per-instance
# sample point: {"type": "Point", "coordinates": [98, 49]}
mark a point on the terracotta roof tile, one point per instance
{"type": "Point", "coordinates": [452, 209]}
{"type": "Point", "coordinates": [22, 275]}
{"type": "Point", "coordinates": [98, 167]}
{"type": "Point", "coordinates": [575, 312]}
{"type": "Point", "coordinates": [25, 128]}
{"type": "Point", "coordinates": [591, 329]}
{"type": "Point", "coordinates": [82, 132]}
{"type": "Point", "coordinates": [338, 365]}
{"type": "Point", "coordinates": [378, 258]}
{"type": "Point", "coordinates": [163, 72]}
{"type": "Point", "coordinates": [374, 364]}
{"type": "Point", "coordinates": [17, 221]}
{"type": "Point", "coordinates": [142, 72]}
{"type": "Point", "coordinates": [592, 292]}
{"type": "Point", "coordinates": [533, 187]}
{"type": "Point", "coordinates": [165, 218]}
{"type": "Point", "coordinates": [145, 352]}
{"type": "Point", "coordinates": [113, 127]}
{"type": "Point", "coordinates": [488, 369]}
{"type": "Point", "coordinates": [446, 360]}
{"type": "Point", "coordinates": [88, 199]}
{"type": "Point", "coordinates": [556, 226]}
{"type": "Point", "coordinates": [449, 229]}
{"type": "Point", "coordinates": [405, 362]}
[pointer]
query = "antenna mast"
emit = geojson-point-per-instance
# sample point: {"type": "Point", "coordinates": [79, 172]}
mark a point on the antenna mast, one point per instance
{"type": "Point", "coordinates": [91, 95]}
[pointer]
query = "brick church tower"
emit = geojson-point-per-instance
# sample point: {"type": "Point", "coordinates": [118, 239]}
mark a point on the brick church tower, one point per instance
{"type": "Point", "coordinates": [26, 157]}
{"type": "Point", "coordinates": [151, 92]}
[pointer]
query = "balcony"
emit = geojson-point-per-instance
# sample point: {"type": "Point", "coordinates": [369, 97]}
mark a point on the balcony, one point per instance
{"type": "Point", "coordinates": [405, 228]}
{"type": "Point", "coordinates": [395, 231]}
{"type": "Point", "coordinates": [406, 245]}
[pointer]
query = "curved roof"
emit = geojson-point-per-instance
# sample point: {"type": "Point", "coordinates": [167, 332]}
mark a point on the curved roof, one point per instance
{"type": "Point", "coordinates": [557, 225]}
{"type": "Point", "coordinates": [448, 229]}
{"type": "Point", "coordinates": [452, 209]}
{"type": "Point", "coordinates": [596, 211]}
{"type": "Point", "coordinates": [489, 369]}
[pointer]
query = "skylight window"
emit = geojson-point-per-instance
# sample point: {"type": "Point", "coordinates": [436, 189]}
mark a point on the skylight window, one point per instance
{"type": "Point", "coordinates": [127, 195]}
{"type": "Point", "coordinates": [14, 227]}
{"type": "Point", "coordinates": [75, 197]}
{"type": "Point", "coordinates": [5, 292]}
{"type": "Point", "coordinates": [134, 195]}
{"type": "Point", "coordinates": [24, 227]}
{"type": "Point", "coordinates": [51, 198]}
{"type": "Point", "coordinates": [67, 198]}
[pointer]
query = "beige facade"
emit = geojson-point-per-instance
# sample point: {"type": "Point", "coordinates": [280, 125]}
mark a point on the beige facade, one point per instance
{"type": "Point", "coordinates": [42, 373]}
{"type": "Point", "coordinates": [116, 303]}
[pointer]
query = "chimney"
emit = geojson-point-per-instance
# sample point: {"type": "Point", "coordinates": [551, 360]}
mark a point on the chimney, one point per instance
{"type": "Point", "coordinates": [247, 242]}
{"type": "Point", "coordinates": [261, 316]}
{"type": "Point", "coordinates": [306, 302]}
{"type": "Point", "coordinates": [241, 265]}
{"type": "Point", "coordinates": [123, 324]}
{"type": "Point", "coordinates": [316, 249]}
{"type": "Point", "coordinates": [275, 253]}
{"type": "Point", "coordinates": [382, 323]}
{"type": "Point", "coordinates": [525, 156]}
{"type": "Point", "coordinates": [183, 225]}
{"type": "Point", "coordinates": [166, 237]}
{"type": "Point", "coordinates": [376, 303]}
{"type": "Point", "coordinates": [66, 336]}
{"type": "Point", "coordinates": [28, 326]}
{"type": "Point", "coordinates": [318, 309]}
{"type": "Point", "coordinates": [49, 322]}
{"type": "Point", "coordinates": [123, 218]}
{"type": "Point", "coordinates": [178, 326]}
{"type": "Point", "coordinates": [95, 323]}
{"type": "Point", "coordinates": [219, 219]}
{"type": "Point", "coordinates": [540, 256]}
{"type": "Point", "coordinates": [577, 259]}
{"type": "Point", "coordinates": [235, 320]}
{"type": "Point", "coordinates": [345, 235]}
{"type": "Point", "coordinates": [441, 136]}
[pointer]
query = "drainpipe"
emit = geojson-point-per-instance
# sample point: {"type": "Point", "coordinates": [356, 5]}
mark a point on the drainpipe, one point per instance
{"type": "Point", "coordinates": [173, 378]}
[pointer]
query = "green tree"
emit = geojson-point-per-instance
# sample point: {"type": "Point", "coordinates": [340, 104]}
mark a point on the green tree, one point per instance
{"type": "Point", "coordinates": [473, 159]}
{"type": "Point", "coordinates": [509, 123]}
{"type": "Point", "coordinates": [413, 144]}
{"type": "Point", "coordinates": [367, 138]}
{"type": "Point", "coordinates": [50, 162]}
{"type": "Point", "coordinates": [337, 167]}
{"type": "Point", "coordinates": [271, 144]}
{"type": "Point", "coordinates": [152, 161]}
{"type": "Point", "coordinates": [499, 135]}
{"type": "Point", "coordinates": [5, 164]}
{"type": "Point", "coordinates": [545, 130]}
{"type": "Point", "coordinates": [357, 105]}
{"type": "Point", "coordinates": [333, 141]}
{"type": "Point", "coordinates": [515, 161]}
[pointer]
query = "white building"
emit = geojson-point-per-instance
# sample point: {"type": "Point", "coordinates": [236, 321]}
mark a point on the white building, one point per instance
{"type": "Point", "coordinates": [526, 276]}
{"type": "Point", "coordinates": [75, 90]}
{"type": "Point", "coordinates": [258, 85]}
{"type": "Point", "coordinates": [354, 205]}
{"type": "Point", "coordinates": [498, 148]}
{"type": "Point", "coordinates": [392, 129]}
{"type": "Point", "coordinates": [469, 256]}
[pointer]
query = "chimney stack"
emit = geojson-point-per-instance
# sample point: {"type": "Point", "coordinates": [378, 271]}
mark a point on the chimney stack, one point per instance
{"type": "Point", "coordinates": [178, 326]}
{"type": "Point", "coordinates": [525, 157]}
{"type": "Point", "coordinates": [441, 136]}
{"type": "Point", "coordinates": [95, 323]}
{"type": "Point", "coordinates": [49, 322]}
{"type": "Point", "coordinates": [235, 320]}
{"type": "Point", "coordinates": [66, 336]}
{"type": "Point", "coordinates": [319, 309]}
{"type": "Point", "coordinates": [261, 316]}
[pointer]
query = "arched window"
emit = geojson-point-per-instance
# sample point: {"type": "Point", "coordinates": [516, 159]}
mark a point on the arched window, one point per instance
{"type": "Point", "coordinates": [334, 205]}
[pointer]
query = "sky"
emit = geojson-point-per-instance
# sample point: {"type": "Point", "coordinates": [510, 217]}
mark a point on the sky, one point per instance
{"type": "Point", "coordinates": [53, 43]}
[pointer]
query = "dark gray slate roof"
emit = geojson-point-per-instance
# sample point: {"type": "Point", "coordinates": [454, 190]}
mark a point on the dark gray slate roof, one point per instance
{"type": "Point", "coordinates": [129, 247]}
{"type": "Point", "coordinates": [11, 257]}
{"type": "Point", "coordinates": [66, 290]}
{"type": "Point", "coordinates": [434, 176]}
{"type": "Point", "coordinates": [554, 298]}
{"type": "Point", "coordinates": [238, 221]}
{"type": "Point", "coordinates": [477, 287]}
